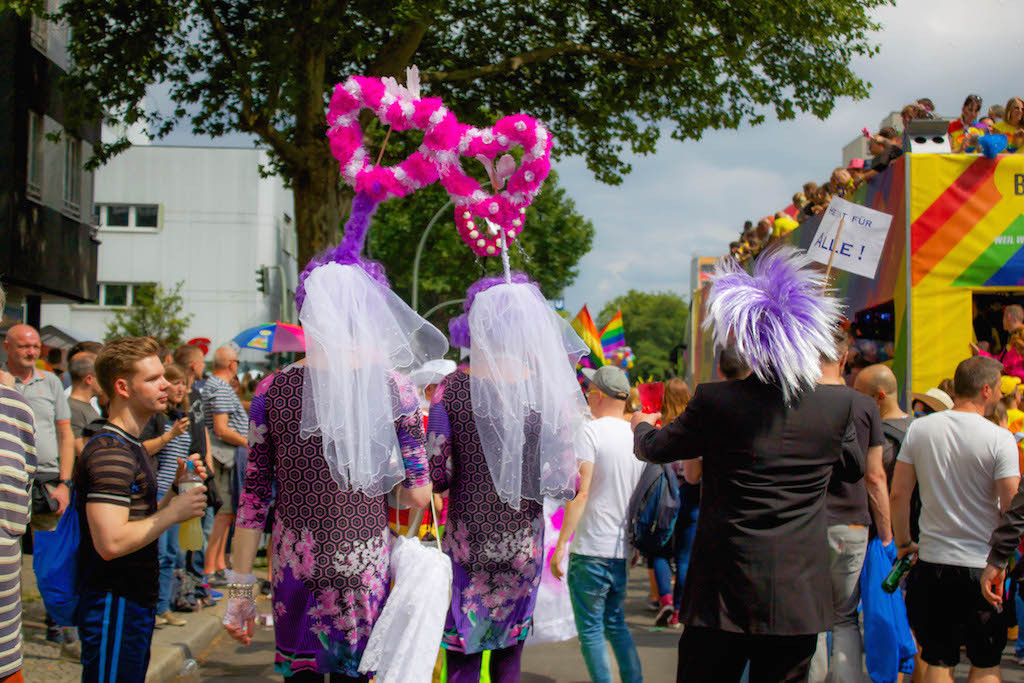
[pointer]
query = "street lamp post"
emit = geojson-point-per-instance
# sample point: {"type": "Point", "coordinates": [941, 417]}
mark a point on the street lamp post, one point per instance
{"type": "Point", "coordinates": [450, 302]}
{"type": "Point", "coordinates": [419, 253]}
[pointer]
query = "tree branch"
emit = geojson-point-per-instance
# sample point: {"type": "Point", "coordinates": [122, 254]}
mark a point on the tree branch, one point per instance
{"type": "Point", "coordinates": [248, 120]}
{"type": "Point", "coordinates": [543, 54]}
{"type": "Point", "coordinates": [395, 55]}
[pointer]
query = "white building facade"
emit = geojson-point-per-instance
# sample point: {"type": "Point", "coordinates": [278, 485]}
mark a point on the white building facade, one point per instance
{"type": "Point", "coordinates": [202, 216]}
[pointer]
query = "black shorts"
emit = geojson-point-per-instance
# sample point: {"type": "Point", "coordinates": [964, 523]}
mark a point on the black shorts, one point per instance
{"type": "Point", "coordinates": [946, 610]}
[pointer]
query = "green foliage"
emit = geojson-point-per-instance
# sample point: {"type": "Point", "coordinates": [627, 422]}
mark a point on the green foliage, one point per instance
{"type": "Point", "coordinates": [156, 313]}
{"type": "Point", "coordinates": [555, 238]}
{"type": "Point", "coordinates": [605, 77]}
{"type": "Point", "coordinates": [655, 324]}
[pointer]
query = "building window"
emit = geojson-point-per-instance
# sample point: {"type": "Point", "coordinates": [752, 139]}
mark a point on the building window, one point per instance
{"type": "Point", "coordinates": [72, 175]}
{"type": "Point", "coordinates": [40, 32]}
{"type": "Point", "coordinates": [146, 216]}
{"type": "Point", "coordinates": [128, 216]}
{"type": "Point", "coordinates": [115, 294]}
{"type": "Point", "coordinates": [36, 140]}
{"type": "Point", "coordinates": [121, 294]}
{"type": "Point", "coordinates": [117, 216]}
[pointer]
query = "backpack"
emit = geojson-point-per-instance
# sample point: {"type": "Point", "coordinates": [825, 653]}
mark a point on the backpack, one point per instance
{"type": "Point", "coordinates": [896, 436]}
{"type": "Point", "coordinates": [653, 509]}
{"type": "Point", "coordinates": [55, 561]}
{"type": "Point", "coordinates": [184, 591]}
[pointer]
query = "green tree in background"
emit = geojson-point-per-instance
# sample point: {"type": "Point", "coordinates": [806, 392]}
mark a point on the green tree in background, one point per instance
{"type": "Point", "coordinates": [155, 313]}
{"type": "Point", "coordinates": [606, 77]}
{"type": "Point", "coordinates": [655, 324]}
{"type": "Point", "coordinates": [556, 236]}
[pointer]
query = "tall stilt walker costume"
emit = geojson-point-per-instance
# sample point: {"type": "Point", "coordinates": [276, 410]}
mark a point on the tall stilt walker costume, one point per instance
{"type": "Point", "coordinates": [502, 430]}
{"type": "Point", "coordinates": [334, 435]}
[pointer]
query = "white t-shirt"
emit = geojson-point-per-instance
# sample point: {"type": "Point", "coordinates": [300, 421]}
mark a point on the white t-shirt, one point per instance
{"type": "Point", "coordinates": [608, 441]}
{"type": "Point", "coordinates": [958, 457]}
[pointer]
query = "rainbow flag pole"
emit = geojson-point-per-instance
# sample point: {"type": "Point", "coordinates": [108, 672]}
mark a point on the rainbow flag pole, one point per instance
{"type": "Point", "coordinates": [613, 335]}
{"type": "Point", "coordinates": [585, 327]}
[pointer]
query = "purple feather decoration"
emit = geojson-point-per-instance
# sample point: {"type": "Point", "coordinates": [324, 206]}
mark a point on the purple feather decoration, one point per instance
{"type": "Point", "coordinates": [349, 252]}
{"type": "Point", "coordinates": [458, 328]}
{"type": "Point", "coordinates": [780, 317]}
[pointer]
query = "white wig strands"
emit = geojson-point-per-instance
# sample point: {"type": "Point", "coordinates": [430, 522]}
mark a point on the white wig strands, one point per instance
{"type": "Point", "coordinates": [780, 317]}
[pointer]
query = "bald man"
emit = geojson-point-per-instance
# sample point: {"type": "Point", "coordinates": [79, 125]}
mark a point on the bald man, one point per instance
{"type": "Point", "coordinates": [879, 382]}
{"type": "Point", "coordinates": [54, 440]}
{"type": "Point", "coordinates": [229, 422]}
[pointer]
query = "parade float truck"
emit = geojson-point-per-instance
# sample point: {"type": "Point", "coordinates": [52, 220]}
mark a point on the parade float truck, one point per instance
{"type": "Point", "coordinates": [953, 257]}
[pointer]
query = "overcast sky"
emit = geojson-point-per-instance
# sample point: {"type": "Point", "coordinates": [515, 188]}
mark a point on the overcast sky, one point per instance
{"type": "Point", "coordinates": [692, 198]}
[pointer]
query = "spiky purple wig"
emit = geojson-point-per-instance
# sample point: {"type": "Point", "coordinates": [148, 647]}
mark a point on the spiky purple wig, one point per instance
{"type": "Point", "coordinates": [349, 252]}
{"type": "Point", "coordinates": [780, 317]}
{"type": "Point", "coordinates": [458, 327]}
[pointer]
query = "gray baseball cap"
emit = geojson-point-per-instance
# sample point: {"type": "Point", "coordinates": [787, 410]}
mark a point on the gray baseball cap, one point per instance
{"type": "Point", "coordinates": [612, 381]}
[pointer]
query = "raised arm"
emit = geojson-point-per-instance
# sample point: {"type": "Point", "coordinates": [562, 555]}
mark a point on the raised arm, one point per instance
{"type": "Point", "coordinates": [681, 439]}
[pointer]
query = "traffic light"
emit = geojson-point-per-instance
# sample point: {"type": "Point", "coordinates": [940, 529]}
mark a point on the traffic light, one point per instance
{"type": "Point", "coordinates": [262, 279]}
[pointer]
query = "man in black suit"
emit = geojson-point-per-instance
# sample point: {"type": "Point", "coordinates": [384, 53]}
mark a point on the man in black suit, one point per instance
{"type": "Point", "coordinates": [757, 574]}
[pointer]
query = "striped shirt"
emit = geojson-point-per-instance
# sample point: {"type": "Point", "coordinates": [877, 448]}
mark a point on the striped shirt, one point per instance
{"type": "Point", "coordinates": [17, 461]}
{"type": "Point", "coordinates": [17, 465]}
{"type": "Point", "coordinates": [168, 457]}
{"type": "Point", "coordinates": [218, 398]}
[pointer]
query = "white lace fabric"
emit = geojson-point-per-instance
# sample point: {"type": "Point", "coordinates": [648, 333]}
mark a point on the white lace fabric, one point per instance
{"type": "Point", "coordinates": [357, 334]}
{"type": "Point", "coordinates": [403, 646]}
{"type": "Point", "coordinates": [527, 404]}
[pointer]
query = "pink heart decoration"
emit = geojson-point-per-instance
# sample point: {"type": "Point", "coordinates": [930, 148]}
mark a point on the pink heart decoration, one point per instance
{"type": "Point", "coordinates": [504, 208]}
{"type": "Point", "coordinates": [476, 232]}
{"type": "Point", "coordinates": [397, 107]}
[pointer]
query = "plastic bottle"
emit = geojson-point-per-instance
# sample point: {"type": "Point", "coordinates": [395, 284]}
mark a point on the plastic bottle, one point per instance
{"type": "Point", "coordinates": [190, 532]}
{"type": "Point", "coordinates": [899, 570]}
{"type": "Point", "coordinates": [189, 669]}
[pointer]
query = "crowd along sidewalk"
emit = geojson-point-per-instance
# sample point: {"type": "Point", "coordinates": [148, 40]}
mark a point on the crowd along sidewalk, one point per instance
{"type": "Point", "coordinates": [172, 645]}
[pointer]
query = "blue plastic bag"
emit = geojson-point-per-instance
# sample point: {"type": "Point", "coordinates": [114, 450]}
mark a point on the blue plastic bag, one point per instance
{"type": "Point", "coordinates": [55, 562]}
{"type": "Point", "coordinates": [889, 646]}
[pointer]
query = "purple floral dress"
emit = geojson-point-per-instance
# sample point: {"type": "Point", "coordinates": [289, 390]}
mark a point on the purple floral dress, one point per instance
{"type": "Point", "coordinates": [330, 547]}
{"type": "Point", "coordinates": [496, 551]}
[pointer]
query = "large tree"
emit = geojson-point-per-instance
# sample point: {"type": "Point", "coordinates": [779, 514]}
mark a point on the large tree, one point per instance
{"type": "Point", "coordinates": [655, 325]}
{"type": "Point", "coordinates": [606, 77]}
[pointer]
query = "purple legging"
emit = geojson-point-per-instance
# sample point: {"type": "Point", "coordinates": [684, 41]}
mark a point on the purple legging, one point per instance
{"type": "Point", "coordinates": [505, 665]}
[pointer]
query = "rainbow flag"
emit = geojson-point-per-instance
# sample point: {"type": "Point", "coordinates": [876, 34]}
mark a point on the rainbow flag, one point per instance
{"type": "Point", "coordinates": [613, 335]}
{"type": "Point", "coordinates": [585, 327]}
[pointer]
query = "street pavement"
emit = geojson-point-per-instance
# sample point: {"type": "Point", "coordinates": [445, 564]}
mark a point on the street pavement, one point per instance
{"type": "Point", "coordinates": [226, 660]}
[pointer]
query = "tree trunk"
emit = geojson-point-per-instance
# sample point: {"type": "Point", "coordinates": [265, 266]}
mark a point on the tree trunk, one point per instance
{"type": "Point", "coordinates": [321, 203]}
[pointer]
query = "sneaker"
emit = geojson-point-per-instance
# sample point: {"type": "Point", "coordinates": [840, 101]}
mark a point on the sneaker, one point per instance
{"type": "Point", "coordinates": [217, 579]}
{"type": "Point", "coordinates": [665, 612]}
{"type": "Point", "coordinates": [171, 618]}
{"type": "Point", "coordinates": [216, 595]}
{"type": "Point", "coordinates": [674, 621]}
{"type": "Point", "coordinates": [72, 651]}
{"type": "Point", "coordinates": [653, 605]}
{"type": "Point", "coordinates": [54, 635]}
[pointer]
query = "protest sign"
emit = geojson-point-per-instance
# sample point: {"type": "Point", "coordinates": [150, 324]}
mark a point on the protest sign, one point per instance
{"type": "Point", "coordinates": [850, 237]}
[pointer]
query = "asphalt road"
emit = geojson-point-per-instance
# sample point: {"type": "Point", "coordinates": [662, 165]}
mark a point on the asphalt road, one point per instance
{"type": "Point", "coordinates": [226, 660]}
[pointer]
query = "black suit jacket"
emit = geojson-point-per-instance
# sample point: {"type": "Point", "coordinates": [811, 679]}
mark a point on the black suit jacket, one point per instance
{"type": "Point", "coordinates": [759, 562]}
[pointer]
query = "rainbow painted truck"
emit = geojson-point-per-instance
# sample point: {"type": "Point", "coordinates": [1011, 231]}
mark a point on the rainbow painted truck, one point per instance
{"type": "Point", "coordinates": [953, 257]}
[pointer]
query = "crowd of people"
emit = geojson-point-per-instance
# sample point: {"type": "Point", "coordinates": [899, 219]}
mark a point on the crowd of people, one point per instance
{"type": "Point", "coordinates": [733, 572]}
{"type": "Point", "coordinates": [884, 147]}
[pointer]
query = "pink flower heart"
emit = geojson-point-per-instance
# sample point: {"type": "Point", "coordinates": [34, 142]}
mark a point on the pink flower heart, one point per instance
{"type": "Point", "coordinates": [481, 234]}
{"type": "Point", "coordinates": [396, 107]}
{"type": "Point", "coordinates": [504, 208]}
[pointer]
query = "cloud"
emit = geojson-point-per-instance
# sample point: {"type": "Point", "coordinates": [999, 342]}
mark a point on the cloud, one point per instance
{"type": "Point", "coordinates": [692, 198]}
